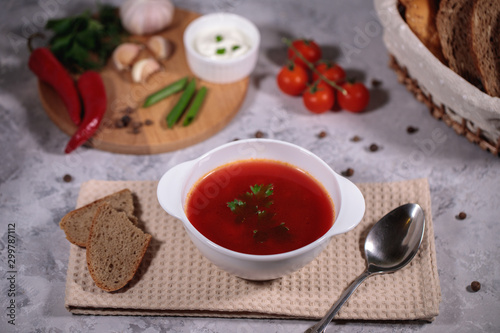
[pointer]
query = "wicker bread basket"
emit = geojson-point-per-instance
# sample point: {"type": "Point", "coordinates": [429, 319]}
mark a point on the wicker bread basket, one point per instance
{"type": "Point", "coordinates": [449, 97]}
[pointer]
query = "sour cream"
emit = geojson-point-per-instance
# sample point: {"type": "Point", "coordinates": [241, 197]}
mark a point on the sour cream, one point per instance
{"type": "Point", "coordinates": [223, 43]}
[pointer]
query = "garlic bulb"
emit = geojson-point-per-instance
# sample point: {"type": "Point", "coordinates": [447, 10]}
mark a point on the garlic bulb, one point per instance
{"type": "Point", "coordinates": [144, 17]}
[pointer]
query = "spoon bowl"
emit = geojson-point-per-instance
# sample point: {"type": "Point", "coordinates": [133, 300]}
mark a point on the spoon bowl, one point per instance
{"type": "Point", "coordinates": [393, 241]}
{"type": "Point", "coordinates": [389, 246]}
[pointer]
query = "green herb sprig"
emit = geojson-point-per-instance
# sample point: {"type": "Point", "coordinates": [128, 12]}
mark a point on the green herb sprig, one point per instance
{"type": "Point", "coordinates": [257, 199]}
{"type": "Point", "coordinates": [86, 41]}
{"type": "Point", "coordinates": [235, 204]}
{"type": "Point", "coordinates": [257, 202]}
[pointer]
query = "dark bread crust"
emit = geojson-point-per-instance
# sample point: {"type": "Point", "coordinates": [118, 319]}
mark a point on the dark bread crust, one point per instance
{"type": "Point", "coordinates": [485, 34]}
{"type": "Point", "coordinates": [453, 21]}
{"type": "Point", "coordinates": [76, 224]}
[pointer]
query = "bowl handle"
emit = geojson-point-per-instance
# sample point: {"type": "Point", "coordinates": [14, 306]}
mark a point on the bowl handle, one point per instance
{"type": "Point", "coordinates": [170, 189]}
{"type": "Point", "coordinates": [352, 210]}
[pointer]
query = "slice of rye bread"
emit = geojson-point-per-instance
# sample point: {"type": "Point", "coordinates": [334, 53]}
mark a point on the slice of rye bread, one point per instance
{"type": "Point", "coordinates": [485, 27]}
{"type": "Point", "coordinates": [453, 22]}
{"type": "Point", "coordinates": [115, 248]}
{"type": "Point", "coordinates": [76, 224]}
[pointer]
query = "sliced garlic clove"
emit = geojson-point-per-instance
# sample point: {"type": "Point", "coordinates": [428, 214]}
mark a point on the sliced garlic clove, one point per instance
{"type": "Point", "coordinates": [144, 68]}
{"type": "Point", "coordinates": [159, 46]}
{"type": "Point", "coordinates": [125, 54]}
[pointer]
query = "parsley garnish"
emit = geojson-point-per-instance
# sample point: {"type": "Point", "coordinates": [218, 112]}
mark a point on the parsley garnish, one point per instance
{"type": "Point", "coordinates": [233, 205]}
{"type": "Point", "coordinates": [221, 51]}
{"type": "Point", "coordinates": [218, 38]}
{"type": "Point", "coordinates": [254, 206]}
{"type": "Point", "coordinates": [235, 47]}
{"type": "Point", "coordinates": [261, 190]}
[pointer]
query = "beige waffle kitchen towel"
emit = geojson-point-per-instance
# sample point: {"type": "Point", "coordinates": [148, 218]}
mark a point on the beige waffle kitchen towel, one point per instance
{"type": "Point", "coordinates": [175, 279]}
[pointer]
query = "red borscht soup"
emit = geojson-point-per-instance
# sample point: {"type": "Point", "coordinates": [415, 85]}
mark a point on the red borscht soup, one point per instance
{"type": "Point", "coordinates": [260, 207]}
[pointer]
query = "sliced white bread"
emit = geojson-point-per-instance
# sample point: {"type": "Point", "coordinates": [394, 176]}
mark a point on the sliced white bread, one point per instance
{"type": "Point", "coordinates": [115, 248]}
{"type": "Point", "coordinates": [453, 22]}
{"type": "Point", "coordinates": [485, 27]}
{"type": "Point", "coordinates": [76, 224]}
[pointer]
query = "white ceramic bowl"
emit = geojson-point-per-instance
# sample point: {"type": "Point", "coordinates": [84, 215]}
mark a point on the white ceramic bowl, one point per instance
{"type": "Point", "coordinates": [175, 184]}
{"type": "Point", "coordinates": [221, 70]}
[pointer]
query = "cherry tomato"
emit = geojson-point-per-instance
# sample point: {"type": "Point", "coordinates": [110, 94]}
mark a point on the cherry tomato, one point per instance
{"type": "Point", "coordinates": [332, 72]}
{"type": "Point", "coordinates": [309, 50]}
{"type": "Point", "coordinates": [319, 98]}
{"type": "Point", "coordinates": [356, 98]}
{"type": "Point", "coordinates": [292, 80]}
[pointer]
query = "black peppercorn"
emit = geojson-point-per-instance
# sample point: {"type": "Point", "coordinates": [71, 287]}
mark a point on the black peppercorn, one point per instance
{"type": "Point", "coordinates": [123, 122]}
{"type": "Point", "coordinates": [376, 83]}
{"type": "Point", "coordinates": [348, 172]}
{"type": "Point", "coordinates": [259, 134]}
{"type": "Point", "coordinates": [373, 147]}
{"type": "Point", "coordinates": [322, 134]}
{"type": "Point", "coordinates": [411, 129]}
{"type": "Point", "coordinates": [126, 120]}
{"type": "Point", "coordinates": [475, 286]}
{"type": "Point", "coordinates": [128, 110]}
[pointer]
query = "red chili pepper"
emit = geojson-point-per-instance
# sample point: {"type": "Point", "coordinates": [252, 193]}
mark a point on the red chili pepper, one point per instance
{"type": "Point", "coordinates": [49, 70]}
{"type": "Point", "coordinates": [93, 94]}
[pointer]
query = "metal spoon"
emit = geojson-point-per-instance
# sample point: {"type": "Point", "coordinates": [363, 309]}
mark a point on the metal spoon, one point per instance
{"type": "Point", "coordinates": [390, 245]}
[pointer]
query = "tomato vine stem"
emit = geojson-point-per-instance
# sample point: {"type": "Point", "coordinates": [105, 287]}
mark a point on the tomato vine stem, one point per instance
{"type": "Point", "coordinates": [289, 43]}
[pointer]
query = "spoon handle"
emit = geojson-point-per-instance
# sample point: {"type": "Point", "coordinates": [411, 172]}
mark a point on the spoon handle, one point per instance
{"type": "Point", "coordinates": [323, 323]}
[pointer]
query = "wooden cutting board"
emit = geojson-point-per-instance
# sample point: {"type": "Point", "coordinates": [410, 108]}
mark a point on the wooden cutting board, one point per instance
{"type": "Point", "coordinates": [124, 96]}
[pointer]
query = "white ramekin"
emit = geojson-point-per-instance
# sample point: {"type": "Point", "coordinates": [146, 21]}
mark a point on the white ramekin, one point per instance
{"type": "Point", "coordinates": [175, 184]}
{"type": "Point", "coordinates": [221, 70]}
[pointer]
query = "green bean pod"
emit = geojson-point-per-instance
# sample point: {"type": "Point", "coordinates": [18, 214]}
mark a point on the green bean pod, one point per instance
{"type": "Point", "coordinates": [165, 92]}
{"type": "Point", "coordinates": [176, 112]}
{"type": "Point", "coordinates": [195, 106]}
